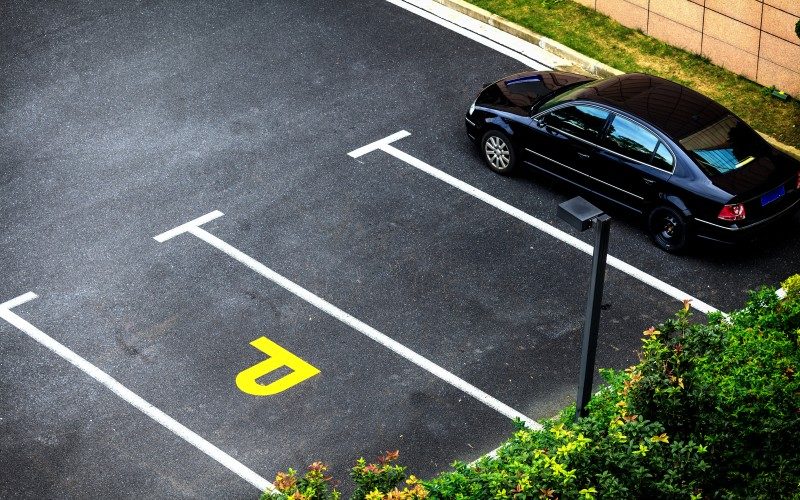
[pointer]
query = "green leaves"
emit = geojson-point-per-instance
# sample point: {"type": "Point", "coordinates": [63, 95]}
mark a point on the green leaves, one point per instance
{"type": "Point", "coordinates": [373, 481]}
{"type": "Point", "coordinates": [314, 485]}
{"type": "Point", "coordinates": [730, 385]}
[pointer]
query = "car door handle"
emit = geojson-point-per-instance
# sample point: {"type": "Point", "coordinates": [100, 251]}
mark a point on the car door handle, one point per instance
{"type": "Point", "coordinates": [583, 156]}
{"type": "Point", "coordinates": [648, 182]}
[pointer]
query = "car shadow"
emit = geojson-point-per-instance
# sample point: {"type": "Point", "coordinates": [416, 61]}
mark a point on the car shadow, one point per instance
{"type": "Point", "coordinates": [772, 244]}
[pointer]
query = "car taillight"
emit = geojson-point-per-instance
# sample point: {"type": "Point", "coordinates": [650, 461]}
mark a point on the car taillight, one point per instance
{"type": "Point", "coordinates": [732, 212]}
{"type": "Point", "coordinates": [798, 180]}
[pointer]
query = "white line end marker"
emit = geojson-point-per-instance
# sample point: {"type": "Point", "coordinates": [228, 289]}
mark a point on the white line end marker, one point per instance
{"type": "Point", "coordinates": [10, 304]}
{"type": "Point", "coordinates": [161, 238]}
{"type": "Point", "coordinates": [378, 144]}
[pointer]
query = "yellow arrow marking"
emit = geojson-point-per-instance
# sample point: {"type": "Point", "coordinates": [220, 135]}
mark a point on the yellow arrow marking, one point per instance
{"type": "Point", "coordinates": [246, 380]}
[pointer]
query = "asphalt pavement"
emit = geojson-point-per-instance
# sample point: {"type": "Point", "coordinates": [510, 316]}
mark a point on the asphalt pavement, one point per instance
{"type": "Point", "coordinates": [119, 121]}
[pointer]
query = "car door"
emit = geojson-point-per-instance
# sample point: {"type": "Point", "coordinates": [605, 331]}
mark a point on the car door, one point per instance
{"type": "Point", "coordinates": [564, 140]}
{"type": "Point", "coordinates": [634, 160]}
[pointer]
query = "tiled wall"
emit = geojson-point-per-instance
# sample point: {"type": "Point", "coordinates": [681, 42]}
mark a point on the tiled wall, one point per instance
{"type": "Point", "coordinates": [754, 38]}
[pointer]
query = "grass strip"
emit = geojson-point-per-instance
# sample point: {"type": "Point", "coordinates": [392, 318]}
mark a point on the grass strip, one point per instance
{"type": "Point", "coordinates": [600, 37]}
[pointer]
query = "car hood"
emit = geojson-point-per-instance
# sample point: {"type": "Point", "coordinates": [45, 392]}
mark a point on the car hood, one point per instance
{"type": "Point", "coordinates": [519, 92]}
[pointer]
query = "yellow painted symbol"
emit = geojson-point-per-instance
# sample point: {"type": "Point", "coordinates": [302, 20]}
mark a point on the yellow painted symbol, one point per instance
{"type": "Point", "coordinates": [246, 380]}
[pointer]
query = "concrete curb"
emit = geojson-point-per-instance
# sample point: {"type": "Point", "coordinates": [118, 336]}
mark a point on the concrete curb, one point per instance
{"type": "Point", "coordinates": [587, 64]}
{"type": "Point", "coordinates": [789, 150]}
{"type": "Point", "coordinates": [581, 63]}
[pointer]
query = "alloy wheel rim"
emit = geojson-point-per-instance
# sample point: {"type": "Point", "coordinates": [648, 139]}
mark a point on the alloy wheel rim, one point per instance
{"type": "Point", "coordinates": [497, 152]}
{"type": "Point", "coordinates": [670, 228]}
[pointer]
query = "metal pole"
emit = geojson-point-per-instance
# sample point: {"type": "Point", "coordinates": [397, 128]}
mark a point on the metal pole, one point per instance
{"type": "Point", "coordinates": [602, 226]}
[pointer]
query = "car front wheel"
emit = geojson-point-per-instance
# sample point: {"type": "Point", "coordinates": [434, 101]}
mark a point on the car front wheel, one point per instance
{"type": "Point", "coordinates": [497, 152]}
{"type": "Point", "coordinates": [668, 229]}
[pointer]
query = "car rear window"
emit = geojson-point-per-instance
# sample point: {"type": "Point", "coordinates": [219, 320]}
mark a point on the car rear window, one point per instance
{"type": "Point", "coordinates": [724, 146]}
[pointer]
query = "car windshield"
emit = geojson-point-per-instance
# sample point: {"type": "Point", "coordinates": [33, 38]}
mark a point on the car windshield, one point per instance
{"type": "Point", "coordinates": [724, 146]}
{"type": "Point", "coordinates": [560, 95]}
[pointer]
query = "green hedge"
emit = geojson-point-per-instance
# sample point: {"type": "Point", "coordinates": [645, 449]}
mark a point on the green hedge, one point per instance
{"type": "Point", "coordinates": [711, 411]}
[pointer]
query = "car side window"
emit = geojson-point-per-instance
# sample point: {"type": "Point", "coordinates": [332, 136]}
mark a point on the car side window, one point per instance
{"type": "Point", "coordinates": [631, 139]}
{"type": "Point", "coordinates": [663, 158]}
{"type": "Point", "coordinates": [586, 122]}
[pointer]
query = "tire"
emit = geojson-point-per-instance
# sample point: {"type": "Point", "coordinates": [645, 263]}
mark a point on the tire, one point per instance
{"type": "Point", "coordinates": [498, 152]}
{"type": "Point", "coordinates": [668, 229]}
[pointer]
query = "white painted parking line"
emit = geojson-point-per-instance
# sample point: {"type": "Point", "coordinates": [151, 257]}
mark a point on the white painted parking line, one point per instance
{"type": "Point", "coordinates": [194, 228]}
{"type": "Point", "coordinates": [126, 394]}
{"type": "Point", "coordinates": [525, 52]}
{"type": "Point", "coordinates": [386, 146]}
{"type": "Point", "coordinates": [161, 238]}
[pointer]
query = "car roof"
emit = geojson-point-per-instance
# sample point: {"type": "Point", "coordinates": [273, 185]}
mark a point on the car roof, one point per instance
{"type": "Point", "coordinates": [676, 110]}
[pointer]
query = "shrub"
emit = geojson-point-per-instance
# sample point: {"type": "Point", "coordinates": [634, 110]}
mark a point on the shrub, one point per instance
{"type": "Point", "coordinates": [314, 485]}
{"type": "Point", "coordinates": [374, 481]}
{"type": "Point", "coordinates": [797, 28]}
{"type": "Point", "coordinates": [711, 410]}
{"type": "Point", "coordinates": [611, 453]}
{"type": "Point", "coordinates": [382, 477]}
{"type": "Point", "coordinates": [732, 384]}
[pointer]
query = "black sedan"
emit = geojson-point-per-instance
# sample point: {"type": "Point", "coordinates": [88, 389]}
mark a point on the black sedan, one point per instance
{"type": "Point", "coordinates": [689, 166]}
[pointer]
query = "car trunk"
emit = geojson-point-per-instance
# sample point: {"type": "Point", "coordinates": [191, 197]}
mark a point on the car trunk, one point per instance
{"type": "Point", "coordinates": [766, 185]}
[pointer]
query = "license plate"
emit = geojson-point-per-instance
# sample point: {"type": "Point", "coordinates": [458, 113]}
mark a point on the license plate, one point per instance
{"type": "Point", "coordinates": [772, 195]}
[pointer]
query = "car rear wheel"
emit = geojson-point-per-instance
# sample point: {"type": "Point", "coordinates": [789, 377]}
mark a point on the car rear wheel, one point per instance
{"type": "Point", "coordinates": [497, 152]}
{"type": "Point", "coordinates": [668, 229]}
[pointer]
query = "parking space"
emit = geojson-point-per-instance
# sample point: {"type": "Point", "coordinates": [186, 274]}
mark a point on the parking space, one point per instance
{"type": "Point", "coordinates": [412, 313]}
